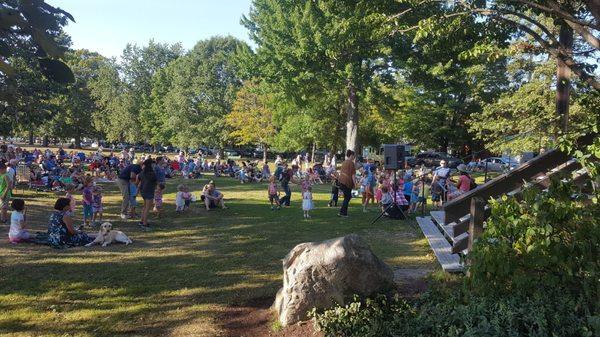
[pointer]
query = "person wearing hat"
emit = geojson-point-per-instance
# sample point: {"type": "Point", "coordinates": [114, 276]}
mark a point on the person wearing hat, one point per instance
{"type": "Point", "coordinates": [464, 183]}
{"type": "Point", "coordinates": [438, 183]}
{"type": "Point", "coordinates": [127, 175]}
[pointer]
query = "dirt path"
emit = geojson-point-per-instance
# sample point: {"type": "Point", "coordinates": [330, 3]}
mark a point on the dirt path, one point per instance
{"type": "Point", "coordinates": [255, 319]}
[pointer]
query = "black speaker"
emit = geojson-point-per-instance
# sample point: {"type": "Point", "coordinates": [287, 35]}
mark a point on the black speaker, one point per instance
{"type": "Point", "coordinates": [393, 156]}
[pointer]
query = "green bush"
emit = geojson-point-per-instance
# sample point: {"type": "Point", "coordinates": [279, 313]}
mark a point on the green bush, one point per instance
{"type": "Point", "coordinates": [534, 272]}
{"type": "Point", "coordinates": [460, 313]}
{"type": "Point", "coordinates": [548, 239]}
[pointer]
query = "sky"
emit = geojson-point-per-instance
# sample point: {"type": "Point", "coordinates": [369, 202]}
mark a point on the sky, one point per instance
{"type": "Point", "coordinates": [106, 26]}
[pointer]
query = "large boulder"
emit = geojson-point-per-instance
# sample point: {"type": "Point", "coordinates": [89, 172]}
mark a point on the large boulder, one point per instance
{"type": "Point", "coordinates": [321, 274]}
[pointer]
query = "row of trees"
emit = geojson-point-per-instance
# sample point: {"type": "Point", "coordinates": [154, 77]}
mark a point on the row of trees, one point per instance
{"type": "Point", "coordinates": [329, 74]}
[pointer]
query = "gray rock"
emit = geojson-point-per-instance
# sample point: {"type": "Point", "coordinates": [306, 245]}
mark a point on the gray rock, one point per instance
{"type": "Point", "coordinates": [321, 274]}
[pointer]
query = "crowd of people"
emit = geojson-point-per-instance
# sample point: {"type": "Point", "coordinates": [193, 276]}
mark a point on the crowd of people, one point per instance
{"type": "Point", "coordinates": [77, 173]}
{"type": "Point", "coordinates": [78, 176]}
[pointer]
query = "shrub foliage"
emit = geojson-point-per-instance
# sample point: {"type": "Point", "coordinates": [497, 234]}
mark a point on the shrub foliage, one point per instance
{"type": "Point", "coordinates": [534, 272]}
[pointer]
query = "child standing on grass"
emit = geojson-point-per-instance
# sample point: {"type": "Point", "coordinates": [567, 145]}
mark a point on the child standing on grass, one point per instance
{"type": "Point", "coordinates": [364, 190]}
{"type": "Point", "coordinates": [88, 199]}
{"type": "Point", "coordinates": [307, 202]}
{"type": "Point", "coordinates": [335, 192]}
{"type": "Point", "coordinates": [416, 199]}
{"type": "Point", "coordinates": [273, 194]}
{"type": "Point", "coordinates": [17, 232]}
{"type": "Point", "coordinates": [158, 200]}
{"type": "Point", "coordinates": [187, 198]}
{"type": "Point", "coordinates": [133, 191]}
{"type": "Point", "coordinates": [97, 204]}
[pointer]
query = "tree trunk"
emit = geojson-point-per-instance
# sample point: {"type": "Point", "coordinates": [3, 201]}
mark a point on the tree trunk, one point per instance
{"type": "Point", "coordinates": [265, 148]}
{"type": "Point", "coordinates": [45, 141]}
{"type": "Point", "coordinates": [78, 141]}
{"type": "Point", "coordinates": [314, 148]}
{"type": "Point", "coordinates": [563, 76]}
{"type": "Point", "coordinates": [351, 118]}
{"type": "Point", "coordinates": [30, 137]}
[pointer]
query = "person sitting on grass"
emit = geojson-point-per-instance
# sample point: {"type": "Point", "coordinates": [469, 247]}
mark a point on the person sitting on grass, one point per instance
{"type": "Point", "coordinates": [17, 232]}
{"type": "Point", "coordinates": [182, 198]}
{"type": "Point", "coordinates": [61, 233]}
{"type": "Point", "coordinates": [212, 197]}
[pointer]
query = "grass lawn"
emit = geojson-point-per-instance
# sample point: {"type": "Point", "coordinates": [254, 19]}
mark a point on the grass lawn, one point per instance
{"type": "Point", "coordinates": [177, 279]}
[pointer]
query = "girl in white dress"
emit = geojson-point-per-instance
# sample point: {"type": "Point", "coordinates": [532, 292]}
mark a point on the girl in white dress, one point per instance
{"type": "Point", "coordinates": [307, 202]}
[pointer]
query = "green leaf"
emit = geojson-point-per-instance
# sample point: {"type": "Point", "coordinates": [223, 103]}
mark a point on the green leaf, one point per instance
{"type": "Point", "coordinates": [47, 43]}
{"type": "Point", "coordinates": [56, 71]}
{"type": "Point", "coordinates": [6, 69]}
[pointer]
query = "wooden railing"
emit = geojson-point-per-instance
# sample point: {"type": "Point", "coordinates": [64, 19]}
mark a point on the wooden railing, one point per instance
{"type": "Point", "coordinates": [538, 171]}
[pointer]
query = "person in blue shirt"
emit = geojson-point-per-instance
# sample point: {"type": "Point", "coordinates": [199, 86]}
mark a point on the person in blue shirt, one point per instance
{"type": "Point", "coordinates": [408, 186]}
{"type": "Point", "coordinates": [160, 170]}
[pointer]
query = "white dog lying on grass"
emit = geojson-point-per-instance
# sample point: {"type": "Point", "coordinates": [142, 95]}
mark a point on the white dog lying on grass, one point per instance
{"type": "Point", "coordinates": [106, 236]}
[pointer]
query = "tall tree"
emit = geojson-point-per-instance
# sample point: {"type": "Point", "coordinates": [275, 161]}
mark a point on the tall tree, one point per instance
{"type": "Point", "coordinates": [201, 90]}
{"type": "Point", "coordinates": [566, 30]}
{"type": "Point", "coordinates": [123, 89]}
{"type": "Point", "coordinates": [311, 47]}
{"type": "Point", "coordinates": [251, 117]}
{"type": "Point", "coordinates": [75, 106]}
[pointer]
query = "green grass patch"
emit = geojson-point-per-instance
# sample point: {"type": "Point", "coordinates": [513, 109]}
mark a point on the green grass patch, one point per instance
{"type": "Point", "coordinates": [177, 279]}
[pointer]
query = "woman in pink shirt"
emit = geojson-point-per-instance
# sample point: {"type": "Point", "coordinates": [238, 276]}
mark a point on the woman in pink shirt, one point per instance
{"type": "Point", "coordinates": [464, 182]}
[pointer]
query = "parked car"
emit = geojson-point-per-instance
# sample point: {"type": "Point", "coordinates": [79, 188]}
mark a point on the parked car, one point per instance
{"type": "Point", "coordinates": [496, 164]}
{"type": "Point", "coordinates": [258, 153]}
{"type": "Point", "coordinates": [232, 154]}
{"type": "Point", "coordinates": [206, 151]}
{"type": "Point", "coordinates": [245, 152]}
{"type": "Point", "coordinates": [433, 159]}
{"type": "Point", "coordinates": [168, 148]}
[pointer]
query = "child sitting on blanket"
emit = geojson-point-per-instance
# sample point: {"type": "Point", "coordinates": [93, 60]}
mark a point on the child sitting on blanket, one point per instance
{"type": "Point", "coordinates": [17, 232]}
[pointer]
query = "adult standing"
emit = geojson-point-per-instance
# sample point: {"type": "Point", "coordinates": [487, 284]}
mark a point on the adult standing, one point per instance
{"type": "Point", "coordinates": [347, 181]}
{"type": "Point", "coordinates": [286, 177]}
{"type": "Point", "coordinates": [127, 175]}
{"type": "Point", "coordinates": [131, 153]}
{"type": "Point", "coordinates": [148, 182]}
{"type": "Point", "coordinates": [438, 183]}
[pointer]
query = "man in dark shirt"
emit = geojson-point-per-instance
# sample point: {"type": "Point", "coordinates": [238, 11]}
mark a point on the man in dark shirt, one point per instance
{"type": "Point", "coordinates": [347, 181]}
{"type": "Point", "coordinates": [126, 175]}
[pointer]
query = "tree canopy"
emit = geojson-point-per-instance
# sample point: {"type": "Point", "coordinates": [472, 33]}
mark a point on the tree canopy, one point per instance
{"type": "Point", "coordinates": [460, 76]}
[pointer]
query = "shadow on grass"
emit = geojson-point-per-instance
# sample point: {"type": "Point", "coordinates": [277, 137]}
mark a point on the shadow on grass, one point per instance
{"type": "Point", "coordinates": [184, 272]}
